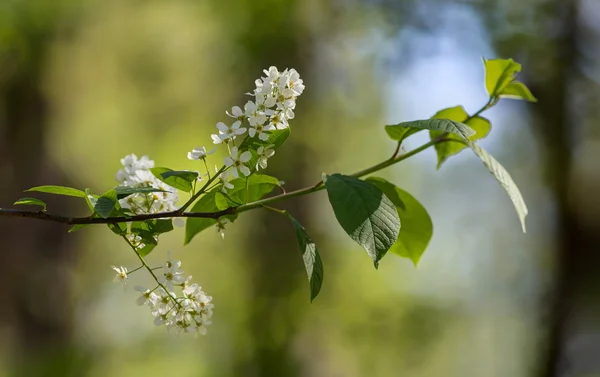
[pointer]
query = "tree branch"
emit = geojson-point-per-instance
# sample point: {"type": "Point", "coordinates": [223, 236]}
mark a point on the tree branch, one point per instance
{"type": "Point", "coordinates": [40, 215]}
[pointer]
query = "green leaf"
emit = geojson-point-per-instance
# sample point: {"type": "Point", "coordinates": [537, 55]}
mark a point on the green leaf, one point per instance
{"type": "Point", "coordinates": [310, 255]}
{"type": "Point", "coordinates": [517, 90]}
{"type": "Point", "coordinates": [398, 131]}
{"type": "Point", "coordinates": [258, 185]}
{"type": "Point", "coordinates": [149, 241]}
{"type": "Point", "coordinates": [505, 180]}
{"type": "Point", "coordinates": [499, 73]}
{"type": "Point", "coordinates": [90, 199]}
{"type": "Point", "coordinates": [181, 180]}
{"type": "Point", "coordinates": [59, 190]}
{"type": "Point", "coordinates": [106, 203]}
{"type": "Point", "coordinates": [31, 202]}
{"type": "Point", "coordinates": [365, 213]}
{"type": "Point", "coordinates": [417, 227]}
{"type": "Point", "coordinates": [480, 125]}
{"type": "Point", "coordinates": [118, 228]}
{"type": "Point", "coordinates": [124, 191]}
{"type": "Point", "coordinates": [193, 226]}
{"type": "Point", "coordinates": [154, 226]}
{"type": "Point", "coordinates": [75, 228]}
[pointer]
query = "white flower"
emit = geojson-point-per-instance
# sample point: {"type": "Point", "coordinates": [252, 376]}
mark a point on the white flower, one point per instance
{"type": "Point", "coordinates": [199, 153]}
{"type": "Point", "coordinates": [259, 130]}
{"type": "Point", "coordinates": [172, 274]}
{"type": "Point", "coordinates": [277, 119]}
{"type": "Point", "coordinates": [254, 114]}
{"type": "Point", "coordinates": [237, 162]}
{"type": "Point", "coordinates": [121, 276]}
{"type": "Point", "coordinates": [236, 113]}
{"type": "Point", "coordinates": [147, 296]}
{"type": "Point", "coordinates": [264, 153]}
{"type": "Point", "coordinates": [135, 240]}
{"type": "Point", "coordinates": [225, 177]}
{"type": "Point", "coordinates": [227, 134]}
{"type": "Point", "coordinates": [136, 173]}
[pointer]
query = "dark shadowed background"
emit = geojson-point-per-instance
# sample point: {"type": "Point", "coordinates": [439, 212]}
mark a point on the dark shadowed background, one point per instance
{"type": "Point", "coordinates": [85, 82]}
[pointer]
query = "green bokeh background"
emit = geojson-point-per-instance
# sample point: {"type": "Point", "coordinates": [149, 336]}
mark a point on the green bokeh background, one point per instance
{"type": "Point", "coordinates": [85, 82]}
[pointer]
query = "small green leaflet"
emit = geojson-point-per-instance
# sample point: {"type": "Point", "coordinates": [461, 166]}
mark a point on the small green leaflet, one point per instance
{"type": "Point", "coordinates": [505, 180]}
{"type": "Point", "coordinates": [106, 203]}
{"type": "Point", "coordinates": [499, 73]}
{"type": "Point", "coordinates": [398, 131]}
{"type": "Point", "coordinates": [32, 202]}
{"type": "Point", "coordinates": [417, 227]}
{"type": "Point", "coordinates": [59, 190]}
{"type": "Point", "coordinates": [479, 124]}
{"type": "Point", "coordinates": [365, 213]}
{"type": "Point", "coordinates": [181, 180]}
{"type": "Point", "coordinates": [517, 90]}
{"type": "Point", "coordinates": [310, 255]}
{"type": "Point", "coordinates": [155, 226]}
{"type": "Point", "coordinates": [75, 228]}
{"type": "Point", "coordinates": [124, 191]}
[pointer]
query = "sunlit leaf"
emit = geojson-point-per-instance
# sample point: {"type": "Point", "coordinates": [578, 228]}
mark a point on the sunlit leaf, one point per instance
{"type": "Point", "coordinates": [499, 73]}
{"type": "Point", "coordinates": [417, 227]}
{"type": "Point", "coordinates": [479, 124]}
{"type": "Point", "coordinates": [31, 202]}
{"type": "Point", "coordinates": [59, 190]}
{"type": "Point", "coordinates": [505, 180]}
{"type": "Point", "coordinates": [517, 90]}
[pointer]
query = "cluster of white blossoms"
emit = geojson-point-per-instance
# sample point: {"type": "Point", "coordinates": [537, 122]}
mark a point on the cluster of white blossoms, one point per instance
{"type": "Point", "coordinates": [136, 173]}
{"type": "Point", "coordinates": [273, 106]}
{"type": "Point", "coordinates": [190, 312]}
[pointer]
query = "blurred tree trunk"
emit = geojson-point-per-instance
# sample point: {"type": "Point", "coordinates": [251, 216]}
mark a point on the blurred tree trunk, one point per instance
{"type": "Point", "coordinates": [560, 116]}
{"type": "Point", "coordinates": [35, 260]}
{"type": "Point", "coordinates": [275, 38]}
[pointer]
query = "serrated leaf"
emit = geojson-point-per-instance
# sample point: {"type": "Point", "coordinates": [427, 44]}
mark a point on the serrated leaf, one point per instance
{"type": "Point", "coordinates": [365, 213]}
{"type": "Point", "coordinates": [193, 226]}
{"type": "Point", "coordinates": [517, 90]}
{"type": "Point", "coordinates": [499, 73]}
{"type": "Point", "coordinates": [124, 191]}
{"type": "Point", "coordinates": [181, 180]}
{"type": "Point", "coordinates": [106, 204]}
{"type": "Point", "coordinates": [311, 257]}
{"type": "Point", "coordinates": [479, 124]}
{"type": "Point", "coordinates": [31, 202]}
{"type": "Point", "coordinates": [417, 227]}
{"type": "Point", "coordinates": [505, 180]}
{"type": "Point", "coordinates": [59, 190]}
{"type": "Point", "coordinates": [398, 131]}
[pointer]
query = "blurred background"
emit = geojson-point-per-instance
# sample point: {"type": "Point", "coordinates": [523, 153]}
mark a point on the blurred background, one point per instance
{"type": "Point", "coordinates": [85, 82]}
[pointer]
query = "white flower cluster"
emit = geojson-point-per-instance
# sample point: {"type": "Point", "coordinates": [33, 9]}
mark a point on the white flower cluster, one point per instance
{"type": "Point", "coordinates": [189, 313]}
{"type": "Point", "coordinates": [273, 106]}
{"type": "Point", "coordinates": [136, 173]}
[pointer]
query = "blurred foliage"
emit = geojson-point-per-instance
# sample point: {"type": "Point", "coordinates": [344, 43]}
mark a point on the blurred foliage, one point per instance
{"type": "Point", "coordinates": [154, 77]}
